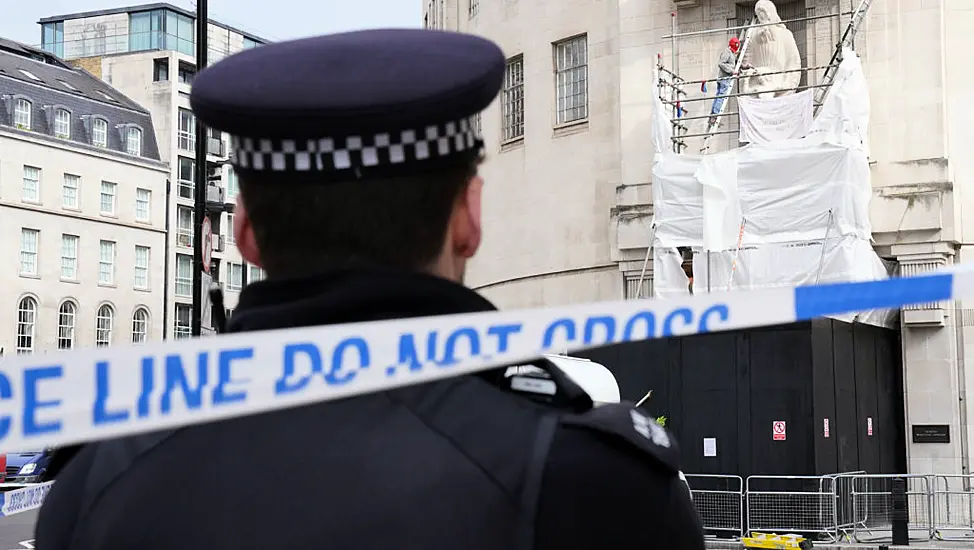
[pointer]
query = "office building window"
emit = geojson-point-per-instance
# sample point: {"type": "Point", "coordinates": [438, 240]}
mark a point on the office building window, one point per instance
{"type": "Point", "coordinates": [32, 184]}
{"type": "Point", "coordinates": [161, 29]}
{"type": "Point", "coordinates": [234, 276]}
{"type": "Point", "coordinates": [233, 186]}
{"type": "Point", "coordinates": [52, 38]}
{"type": "Point", "coordinates": [249, 43]}
{"type": "Point", "coordinates": [69, 191]}
{"type": "Point", "coordinates": [512, 101]}
{"type": "Point", "coordinates": [104, 323]}
{"type": "Point", "coordinates": [571, 79]}
{"type": "Point", "coordinates": [186, 74]}
{"type": "Point", "coordinates": [133, 141]}
{"type": "Point", "coordinates": [255, 274]}
{"type": "Point", "coordinates": [185, 178]}
{"type": "Point", "coordinates": [160, 70]}
{"type": "Point", "coordinates": [62, 124]}
{"type": "Point", "coordinates": [65, 325]}
{"type": "Point", "coordinates": [184, 226]}
{"type": "Point", "coordinates": [99, 132]}
{"type": "Point", "coordinates": [23, 114]}
{"type": "Point", "coordinates": [184, 321]}
{"type": "Point", "coordinates": [142, 267]}
{"type": "Point", "coordinates": [473, 8]}
{"type": "Point", "coordinates": [186, 134]}
{"type": "Point", "coordinates": [28, 251]}
{"type": "Point", "coordinates": [26, 324]}
{"type": "Point", "coordinates": [69, 257]}
{"type": "Point", "coordinates": [140, 326]}
{"type": "Point", "coordinates": [143, 198]}
{"type": "Point", "coordinates": [106, 203]}
{"type": "Point", "coordinates": [184, 276]}
{"type": "Point", "coordinates": [106, 262]}
{"type": "Point", "coordinates": [229, 229]}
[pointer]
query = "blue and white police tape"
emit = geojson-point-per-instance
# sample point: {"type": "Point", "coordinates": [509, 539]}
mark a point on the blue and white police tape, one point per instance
{"type": "Point", "coordinates": [24, 499]}
{"type": "Point", "coordinates": [92, 394]}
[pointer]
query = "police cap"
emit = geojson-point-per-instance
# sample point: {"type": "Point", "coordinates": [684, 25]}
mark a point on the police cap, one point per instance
{"type": "Point", "coordinates": [364, 104]}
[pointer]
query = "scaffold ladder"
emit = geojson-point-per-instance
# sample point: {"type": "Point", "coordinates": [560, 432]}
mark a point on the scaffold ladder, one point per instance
{"type": "Point", "coordinates": [848, 37]}
{"type": "Point", "coordinates": [713, 125]}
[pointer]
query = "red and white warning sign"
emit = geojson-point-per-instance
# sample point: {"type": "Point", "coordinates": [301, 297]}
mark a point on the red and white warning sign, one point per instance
{"type": "Point", "coordinates": [869, 426]}
{"type": "Point", "coordinates": [778, 430]}
{"type": "Point", "coordinates": [825, 427]}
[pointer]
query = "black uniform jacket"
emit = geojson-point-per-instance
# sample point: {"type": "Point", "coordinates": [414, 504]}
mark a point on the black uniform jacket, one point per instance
{"type": "Point", "coordinates": [462, 464]}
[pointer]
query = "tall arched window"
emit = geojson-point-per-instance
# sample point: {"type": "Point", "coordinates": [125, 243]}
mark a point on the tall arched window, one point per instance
{"type": "Point", "coordinates": [140, 326]}
{"type": "Point", "coordinates": [103, 326]}
{"type": "Point", "coordinates": [26, 317]}
{"type": "Point", "coordinates": [65, 325]}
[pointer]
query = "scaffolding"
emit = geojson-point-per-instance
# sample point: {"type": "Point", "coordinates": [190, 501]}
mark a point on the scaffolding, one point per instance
{"type": "Point", "coordinates": [672, 88]}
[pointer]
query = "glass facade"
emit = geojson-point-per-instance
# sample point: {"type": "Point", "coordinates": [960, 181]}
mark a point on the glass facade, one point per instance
{"type": "Point", "coordinates": [146, 30]}
{"type": "Point", "coordinates": [52, 38]}
{"type": "Point", "coordinates": [161, 30]}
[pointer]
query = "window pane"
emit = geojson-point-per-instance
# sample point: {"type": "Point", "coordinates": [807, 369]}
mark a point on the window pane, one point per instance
{"type": "Point", "coordinates": [65, 330]}
{"type": "Point", "coordinates": [62, 124]}
{"type": "Point", "coordinates": [106, 263]}
{"type": "Point", "coordinates": [107, 201]}
{"type": "Point", "coordinates": [69, 257]}
{"type": "Point", "coordinates": [26, 319]}
{"type": "Point", "coordinates": [32, 184]}
{"type": "Point", "coordinates": [142, 267]}
{"type": "Point", "coordinates": [99, 133]}
{"type": "Point", "coordinates": [103, 326]}
{"type": "Point", "coordinates": [184, 275]}
{"type": "Point", "coordinates": [28, 251]}
{"type": "Point", "coordinates": [69, 191]}
{"type": "Point", "coordinates": [140, 326]}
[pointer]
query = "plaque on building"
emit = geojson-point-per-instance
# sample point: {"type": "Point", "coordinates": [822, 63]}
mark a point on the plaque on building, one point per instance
{"type": "Point", "coordinates": [931, 433]}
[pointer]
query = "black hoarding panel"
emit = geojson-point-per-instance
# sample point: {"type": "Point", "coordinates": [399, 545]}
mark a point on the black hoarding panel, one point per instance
{"type": "Point", "coordinates": [823, 396]}
{"type": "Point", "coordinates": [781, 392]}
{"type": "Point", "coordinates": [709, 407]}
{"type": "Point", "coordinates": [844, 430]}
{"type": "Point", "coordinates": [890, 402]}
{"type": "Point", "coordinates": [867, 387]}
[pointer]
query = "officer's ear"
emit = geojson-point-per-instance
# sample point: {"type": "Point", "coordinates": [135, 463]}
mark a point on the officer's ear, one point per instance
{"type": "Point", "coordinates": [466, 230]}
{"type": "Point", "coordinates": [243, 233]}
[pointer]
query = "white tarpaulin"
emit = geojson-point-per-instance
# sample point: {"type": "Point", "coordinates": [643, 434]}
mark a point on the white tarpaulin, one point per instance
{"type": "Point", "coordinates": [805, 203]}
{"type": "Point", "coordinates": [776, 118]}
{"type": "Point", "coordinates": [721, 203]}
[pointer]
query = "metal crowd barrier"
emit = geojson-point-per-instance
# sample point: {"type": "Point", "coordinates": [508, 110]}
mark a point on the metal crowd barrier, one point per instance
{"type": "Point", "coordinates": [953, 504]}
{"type": "Point", "coordinates": [804, 505]}
{"type": "Point", "coordinates": [850, 506]}
{"type": "Point", "coordinates": [719, 500]}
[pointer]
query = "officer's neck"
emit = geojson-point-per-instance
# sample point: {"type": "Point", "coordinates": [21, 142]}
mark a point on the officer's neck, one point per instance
{"type": "Point", "coordinates": [449, 267]}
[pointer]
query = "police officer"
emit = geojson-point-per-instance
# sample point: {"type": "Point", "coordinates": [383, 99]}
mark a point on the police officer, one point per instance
{"type": "Point", "coordinates": [359, 195]}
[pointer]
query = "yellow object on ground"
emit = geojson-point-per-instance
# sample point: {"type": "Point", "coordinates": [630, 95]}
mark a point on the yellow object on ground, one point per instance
{"type": "Point", "coordinates": [770, 540]}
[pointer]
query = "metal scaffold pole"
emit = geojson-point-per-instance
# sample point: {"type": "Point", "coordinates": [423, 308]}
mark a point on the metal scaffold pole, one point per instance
{"type": "Point", "coordinates": [199, 179]}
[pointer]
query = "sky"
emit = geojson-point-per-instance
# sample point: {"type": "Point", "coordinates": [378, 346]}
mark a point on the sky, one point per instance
{"type": "Point", "coordinates": [269, 19]}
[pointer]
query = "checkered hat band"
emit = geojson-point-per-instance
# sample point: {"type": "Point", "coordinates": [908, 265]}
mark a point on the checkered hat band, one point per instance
{"type": "Point", "coordinates": [364, 151]}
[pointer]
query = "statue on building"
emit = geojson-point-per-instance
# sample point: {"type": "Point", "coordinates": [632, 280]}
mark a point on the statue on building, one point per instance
{"type": "Point", "coordinates": [770, 50]}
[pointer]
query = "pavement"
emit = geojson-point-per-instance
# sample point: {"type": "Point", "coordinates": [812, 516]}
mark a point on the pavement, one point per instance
{"type": "Point", "coordinates": [17, 531]}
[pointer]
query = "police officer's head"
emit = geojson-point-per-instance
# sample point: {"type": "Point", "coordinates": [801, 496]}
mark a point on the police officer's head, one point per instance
{"type": "Point", "coordinates": [356, 148]}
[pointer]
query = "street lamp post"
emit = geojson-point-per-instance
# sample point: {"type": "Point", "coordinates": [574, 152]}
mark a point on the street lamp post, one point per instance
{"type": "Point", "coordinates": [199, 178]}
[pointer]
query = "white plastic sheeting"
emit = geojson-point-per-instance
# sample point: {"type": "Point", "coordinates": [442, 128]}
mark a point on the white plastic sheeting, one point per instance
{"type": "Point", "coordinates": [804, 204]}
{"type": "Point", "coordinates": [776, 118]}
